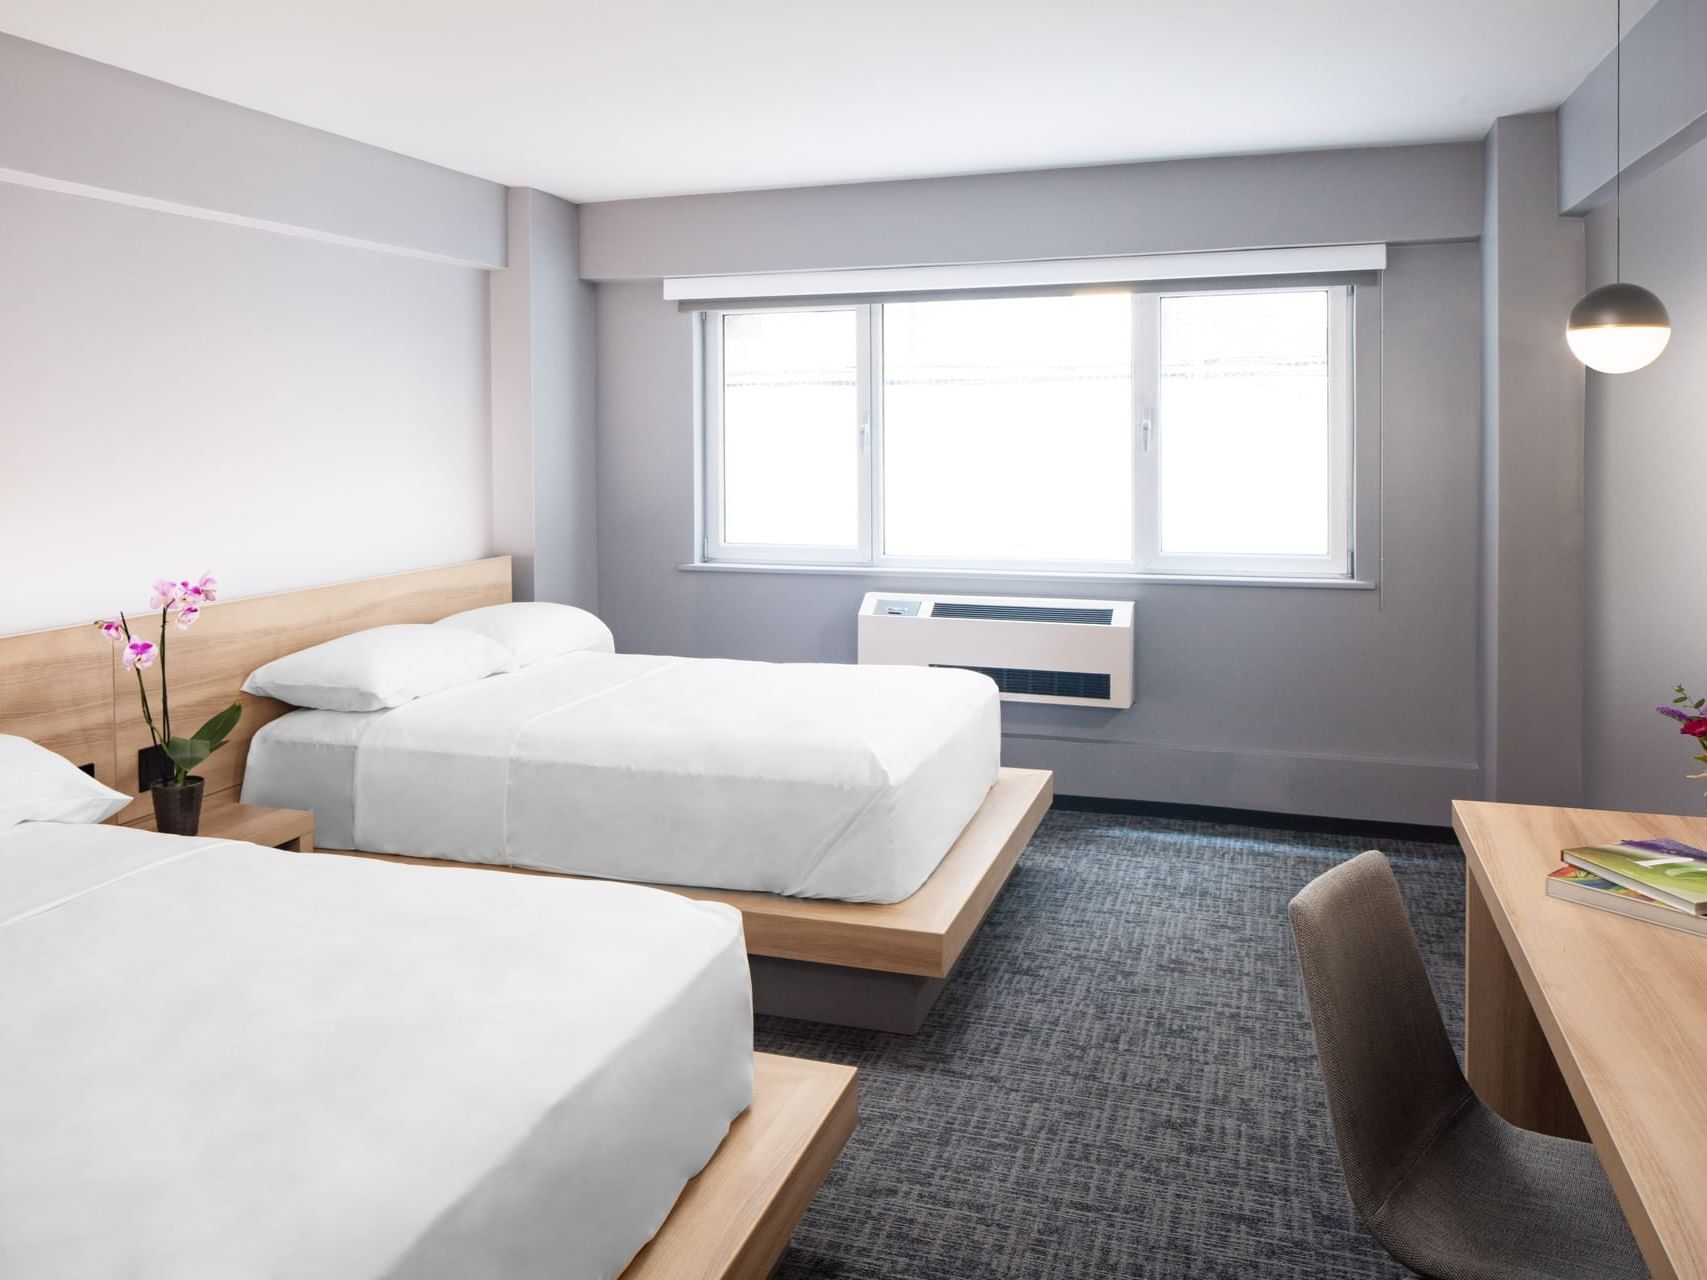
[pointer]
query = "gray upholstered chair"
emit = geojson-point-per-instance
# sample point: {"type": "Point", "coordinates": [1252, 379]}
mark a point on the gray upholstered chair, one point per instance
{"type": "Point", "coordinates": [1448, 1188]}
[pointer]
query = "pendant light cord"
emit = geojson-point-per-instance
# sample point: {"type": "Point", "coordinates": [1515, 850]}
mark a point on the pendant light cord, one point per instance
{"type": "Point", "coordinates": [1618, 145]}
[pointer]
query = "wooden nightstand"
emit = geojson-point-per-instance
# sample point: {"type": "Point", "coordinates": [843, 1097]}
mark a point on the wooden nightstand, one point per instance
{"type": "Point", "coordinates": [224, 819]}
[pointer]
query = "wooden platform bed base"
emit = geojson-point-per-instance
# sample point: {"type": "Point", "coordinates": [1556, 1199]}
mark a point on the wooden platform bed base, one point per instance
{"type": "Point", "coordinates": [869, 964]}
{"type": "Point", "coordinates": [734, 1219]}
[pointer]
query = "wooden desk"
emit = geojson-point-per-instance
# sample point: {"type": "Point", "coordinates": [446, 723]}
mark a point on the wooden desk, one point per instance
{"type": "Point", "coordinates": [1580, 1021]}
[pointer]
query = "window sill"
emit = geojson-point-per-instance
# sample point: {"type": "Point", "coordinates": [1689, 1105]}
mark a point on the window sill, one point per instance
{"type": "Point", "coordinates": [1016, 575]}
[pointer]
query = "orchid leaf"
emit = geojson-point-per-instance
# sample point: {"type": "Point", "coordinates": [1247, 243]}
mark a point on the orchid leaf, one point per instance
{"type": "Point", "coordinates": [187, 753]}
{"type": "Point", "coordinates": [218, 729]}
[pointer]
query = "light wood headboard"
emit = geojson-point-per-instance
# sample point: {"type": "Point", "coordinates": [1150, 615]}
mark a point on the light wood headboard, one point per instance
{"type": "Point", "coordinates": [56, 687]}
{"type": "Point", "coordinates": [67, 689]}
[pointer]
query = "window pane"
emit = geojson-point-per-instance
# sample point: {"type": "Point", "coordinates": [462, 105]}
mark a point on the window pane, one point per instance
{"type": "Point", "coordinates": [1007, 428]}
{"type": "Point", "coordinates": [1243, 424]}
{"type": "Point", "coordinates": [791, 448]}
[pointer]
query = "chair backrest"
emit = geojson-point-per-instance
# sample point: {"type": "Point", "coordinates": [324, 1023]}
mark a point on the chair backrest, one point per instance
{"type": "Point", "coordinates": [1392, 1077]}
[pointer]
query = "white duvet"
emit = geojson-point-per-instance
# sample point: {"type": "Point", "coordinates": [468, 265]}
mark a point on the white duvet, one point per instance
{"type": "Point", "coordinates": [812, 780]}
{"type": "Point", "coordinates": [222, 1062]}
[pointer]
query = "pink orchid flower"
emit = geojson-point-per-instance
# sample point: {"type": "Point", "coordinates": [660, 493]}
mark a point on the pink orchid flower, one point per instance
{"type": "Point", "coordinates": [138, 653]}
{"type": "Point", "coordinates": [112, 631]}
{"type": "Point", "coordinates": [183, 594]}
{"type": "Point", "coordinates": [187, 615]}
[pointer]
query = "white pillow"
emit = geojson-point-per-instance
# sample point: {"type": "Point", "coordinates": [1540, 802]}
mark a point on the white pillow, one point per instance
{"type": "Point", "coordinates": [379, 668]}
{"type": "Point", "coordinates": [37, 785]}
{"type": "Point", "coordinates": [534, 630]}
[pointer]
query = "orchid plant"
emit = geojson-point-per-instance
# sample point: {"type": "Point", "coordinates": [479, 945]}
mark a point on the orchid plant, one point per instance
{"type": "Point", "coordinates": [1691, 714]}
{"type": "Point", "coordinates": [180, 603]}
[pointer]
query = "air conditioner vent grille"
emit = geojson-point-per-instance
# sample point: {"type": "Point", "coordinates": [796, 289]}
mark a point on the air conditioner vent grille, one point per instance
{"type": "Point", "coordinates": [1049, 684]}
{"type": "Point", "coordinates": [1023, 613]}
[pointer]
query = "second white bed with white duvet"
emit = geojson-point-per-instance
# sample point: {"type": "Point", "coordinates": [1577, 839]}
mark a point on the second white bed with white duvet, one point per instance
{"type": "Point", "coordinates": [803, 779]}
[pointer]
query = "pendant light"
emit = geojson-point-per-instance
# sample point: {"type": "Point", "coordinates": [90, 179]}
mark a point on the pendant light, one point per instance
{"type": "Point", "coordinates": [1619, 327]}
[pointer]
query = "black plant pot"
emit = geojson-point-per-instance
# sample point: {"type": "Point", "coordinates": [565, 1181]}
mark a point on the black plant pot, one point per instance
{"type": "Point", "coordinates": [177, 806]}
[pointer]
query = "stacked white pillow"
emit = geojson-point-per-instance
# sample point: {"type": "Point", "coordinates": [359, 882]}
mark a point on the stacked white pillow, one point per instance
{"type": "Point", "coordinates": [385, 667]}
{"type": "Point", "coordinates": [37, 785]}
{"type": "Point", "coordinates": [535, 630]}
{"type": "Point", "coordinates": [379, 668]}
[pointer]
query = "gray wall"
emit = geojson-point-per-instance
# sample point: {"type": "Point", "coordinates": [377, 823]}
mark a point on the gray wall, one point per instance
{"type": "Point", "coordinates": [177, 395]}
{"type": "Point", "coordinates": [1296, 198]}
{"type": "Point", "coordinates": [543, 474]}
{"type": "Point", "coordinates": [231, 342]}
{"type": "Point", "coordinates": [1665, 104]}
{"type": "Point", "coordinates": [1532, 523]}
{"type": "Point", "coordinates": [68, 123]}
{"type": "Point", "coordinates": [1358, 703]}
{"type": "Point", "coordinates": [565, 326]}
{"type": "Point", "coordinates": [1646, 456]}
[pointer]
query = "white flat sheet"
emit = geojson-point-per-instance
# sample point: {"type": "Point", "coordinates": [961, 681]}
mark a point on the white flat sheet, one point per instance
{"type": "Point", "coordinates": [223, 1062]}
{"type": "Point", "coordinates": [818, 781]}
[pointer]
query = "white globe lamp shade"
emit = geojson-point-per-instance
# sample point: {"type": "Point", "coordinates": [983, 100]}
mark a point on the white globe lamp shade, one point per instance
{"type": "Point", "coordinates": [1618, 328]}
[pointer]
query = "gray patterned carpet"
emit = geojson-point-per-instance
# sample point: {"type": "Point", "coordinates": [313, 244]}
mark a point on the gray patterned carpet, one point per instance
{"type": "Point", "coordinates": [1119, 1081]}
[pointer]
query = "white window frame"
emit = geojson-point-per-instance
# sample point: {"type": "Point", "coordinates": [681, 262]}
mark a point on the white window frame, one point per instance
{"type": "Point", "coordinates": [1342, 374]}
{"type": "Point", "coordinates": [715, 547]}
{"type": "Point", "coordinates": [1146, 558]}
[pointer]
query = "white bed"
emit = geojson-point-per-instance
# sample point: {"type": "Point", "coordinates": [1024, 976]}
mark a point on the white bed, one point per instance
{"type": "Point", "coordinates": [218, 1060]}
{"type": "Point", "coordinates": [819, 781]}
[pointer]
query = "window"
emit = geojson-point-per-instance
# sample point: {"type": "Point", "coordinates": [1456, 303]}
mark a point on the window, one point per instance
{"type": "Point", "coordinates": [1202, 432]}
{"type": "Point", "coordinates": [1007, 430]}
{"type": "Point", "coordinates": [793, 436]}
{"type": "Point", "coordinates": [1249, 463]}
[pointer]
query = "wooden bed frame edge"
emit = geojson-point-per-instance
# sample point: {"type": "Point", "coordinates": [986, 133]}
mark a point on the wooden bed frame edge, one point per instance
{"type": "Point", "coordinates": [733, 1220]}
{"type": "Point", "coordinates": [923, 935]}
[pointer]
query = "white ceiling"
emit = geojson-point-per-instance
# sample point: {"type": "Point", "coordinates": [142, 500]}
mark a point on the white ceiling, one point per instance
{"type": "Point", "coordinates": [595, 101]}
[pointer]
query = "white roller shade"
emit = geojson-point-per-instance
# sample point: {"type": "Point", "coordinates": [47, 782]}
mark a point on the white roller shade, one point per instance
{"type": "Point", "coordinates": [1318, 260]}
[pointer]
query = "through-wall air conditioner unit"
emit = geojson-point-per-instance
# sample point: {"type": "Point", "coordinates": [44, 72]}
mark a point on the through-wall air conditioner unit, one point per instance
{"type": "Point", "coordinates": [1074, 652]}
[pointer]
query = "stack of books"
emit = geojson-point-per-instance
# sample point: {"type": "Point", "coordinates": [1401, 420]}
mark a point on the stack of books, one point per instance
{"type": "Point", "coordinates": [1661, 881]}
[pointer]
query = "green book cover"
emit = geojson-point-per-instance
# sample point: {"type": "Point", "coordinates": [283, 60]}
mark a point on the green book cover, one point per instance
{"type": "Point", "coordinates": [1680, 881]}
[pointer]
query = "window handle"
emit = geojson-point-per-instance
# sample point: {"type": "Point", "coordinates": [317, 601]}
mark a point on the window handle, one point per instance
{"type": "Point", "coordinates": [1144, 428]}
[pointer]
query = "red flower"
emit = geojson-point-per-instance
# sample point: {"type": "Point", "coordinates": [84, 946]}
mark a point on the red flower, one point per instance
{"type": "Point", "coordinates": [1696, 728]}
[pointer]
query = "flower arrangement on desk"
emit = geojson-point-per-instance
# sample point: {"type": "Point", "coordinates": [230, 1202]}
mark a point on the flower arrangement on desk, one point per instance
{"type": "Point", "coordinates": [178, 802]}
{"type": "Point", "coordinates": [1691, 715]}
